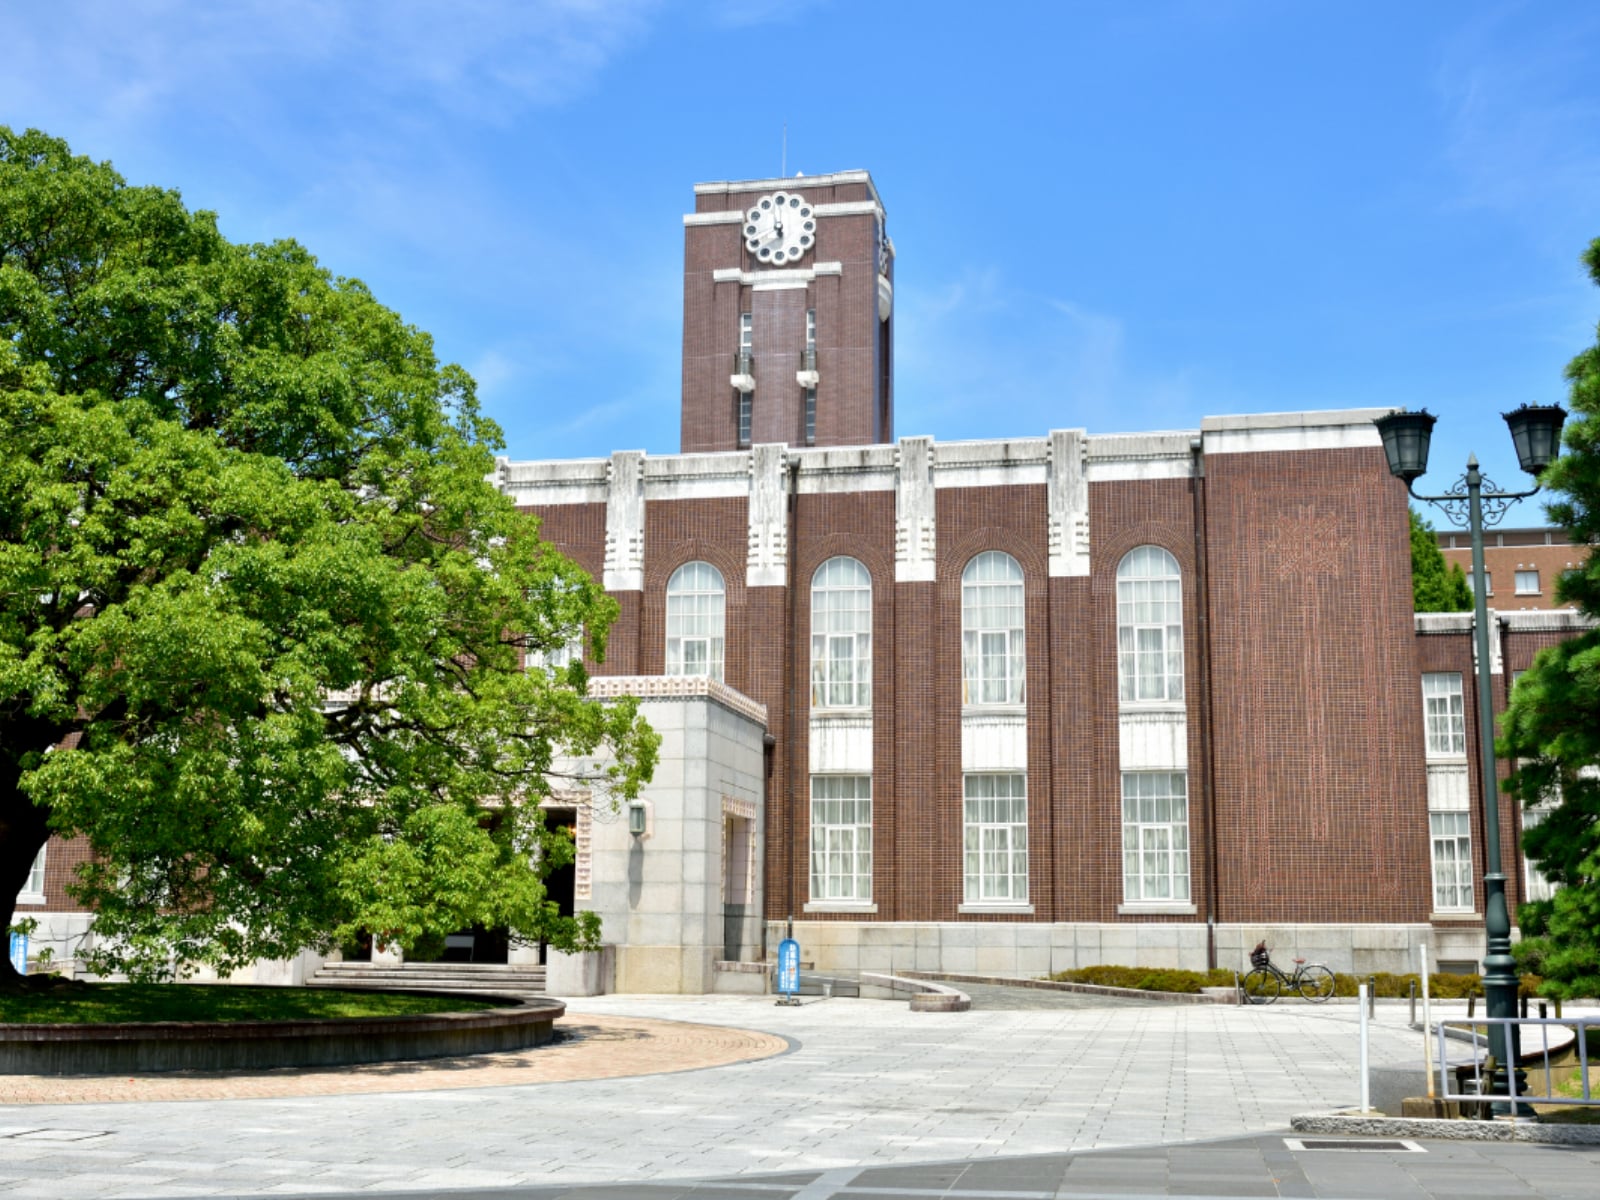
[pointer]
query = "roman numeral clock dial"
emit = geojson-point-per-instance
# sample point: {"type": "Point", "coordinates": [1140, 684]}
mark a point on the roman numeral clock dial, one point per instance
{"type": "Point", "coordinates": [780, 228]}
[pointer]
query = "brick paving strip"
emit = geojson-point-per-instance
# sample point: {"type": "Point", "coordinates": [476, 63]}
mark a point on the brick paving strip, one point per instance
{"type": "Point", "coordinates": [589, 1046]}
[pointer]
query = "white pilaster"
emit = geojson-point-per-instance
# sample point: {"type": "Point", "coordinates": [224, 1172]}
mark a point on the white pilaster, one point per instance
{"type": "Point", "coordinates": [1068, 499]}
{"type": "Point", "coordinates": [914, 535]}
{"type": "Point", "coordinates": [624, 563]}
{"type": "Point", "coordinates": [767, 562]}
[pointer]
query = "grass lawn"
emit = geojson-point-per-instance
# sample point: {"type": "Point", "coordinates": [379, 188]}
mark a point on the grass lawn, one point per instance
{"type": "Point", "coordinates": [94, 1003]}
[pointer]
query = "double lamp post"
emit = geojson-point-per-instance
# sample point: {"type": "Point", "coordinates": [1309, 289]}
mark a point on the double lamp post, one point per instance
{"type": "Point", "coordinates": [1473, 502]}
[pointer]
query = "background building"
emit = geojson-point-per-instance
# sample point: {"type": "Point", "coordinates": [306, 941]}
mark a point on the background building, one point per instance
{"type": "Point", "coordinates": [1523, 564]}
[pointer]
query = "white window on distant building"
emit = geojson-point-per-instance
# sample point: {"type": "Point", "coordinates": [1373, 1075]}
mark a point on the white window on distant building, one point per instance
{"type": "Point", "coordinates": [1488, 582]}
{"type": "Point", "coordinates": [1155, 836]}
{"type": "Point", "coordinates": [1443, 712]}
{"type": "Point", "coordinates": [695, 616]}
{"type": "Point", "coordinates": [746, 331]}
{"type": "Point", "coordinates": [841, 635]}
{"type": "Point", "coordinates": [992, 646]}
{"type": "Point", "coordinates": [559, 658]}
{"type": "Point", "coordinates": [1527, 582]}
{"type": "Point", "coordinates": [841, 838]}
{"type": "Point", "coordinates": [1451, 835]}
{"type": "Point", "coordinates": [995, 820]}
{"type": "Point", "coordinates": [33, 889]}
{"type": "Point", "coordinates": [1149, 625]}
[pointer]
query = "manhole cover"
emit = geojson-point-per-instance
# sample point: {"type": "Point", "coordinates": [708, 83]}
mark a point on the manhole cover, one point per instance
{"type": "Point", "coordinates": [1356, 1145]}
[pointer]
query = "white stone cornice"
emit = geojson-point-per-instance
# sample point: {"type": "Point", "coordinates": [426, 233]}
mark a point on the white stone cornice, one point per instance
{"type": "Point", "coordinates": [839, 208]}
{"type": "Point", "coordinates": [728, 187]}
{"type": "Point", "coordinates": [851, 208]}
{"type": "Point", "coordinates": [1261, 432]}
{"type": "Point", "coordinates": [677, 687]}
{"type": "Point", "coordinates": [1116, 456]}
{"type": "Point", "coordinates": [777, 278]}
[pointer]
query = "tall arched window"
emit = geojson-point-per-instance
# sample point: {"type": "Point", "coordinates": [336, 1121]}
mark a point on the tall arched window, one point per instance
{"type": "Point", "coordinates": [695, 618]}
{"type": "Point", "coordinates": [991, 630]}
{"type": "Point", "coordinates": [1150, 625]}
{"type": "Point", "coordinates": [841, 635]}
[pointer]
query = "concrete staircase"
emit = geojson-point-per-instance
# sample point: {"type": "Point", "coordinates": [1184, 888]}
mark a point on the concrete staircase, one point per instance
{"type": "Point", "coordinates": [466, 978]}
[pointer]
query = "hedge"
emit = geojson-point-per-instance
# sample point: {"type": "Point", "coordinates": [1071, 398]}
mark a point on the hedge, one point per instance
{"type": "Point", "coordinates": [1148, 979]}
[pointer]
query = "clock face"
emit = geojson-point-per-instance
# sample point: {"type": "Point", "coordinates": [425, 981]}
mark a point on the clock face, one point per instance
{"type": "Point", "coordinates": [780, 228]}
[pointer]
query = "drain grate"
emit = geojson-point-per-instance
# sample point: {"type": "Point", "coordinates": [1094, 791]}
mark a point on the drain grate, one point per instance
{"type": "Point", "coordinates": [1351, 1145]}
{"type": "Point", "coordinates": [32, 1133]}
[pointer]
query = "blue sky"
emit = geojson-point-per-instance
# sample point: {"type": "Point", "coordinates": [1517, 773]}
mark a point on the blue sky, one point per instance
{"type": "Point", "coordinates": [1116, 216]}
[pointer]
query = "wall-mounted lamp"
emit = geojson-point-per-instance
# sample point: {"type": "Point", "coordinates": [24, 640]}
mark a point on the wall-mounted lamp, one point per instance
{"type": "Point", "coordinates": [636, 818]}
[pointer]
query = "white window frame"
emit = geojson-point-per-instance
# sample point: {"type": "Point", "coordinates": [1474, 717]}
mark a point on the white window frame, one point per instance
{"type": "Point", "coordinates": [1525, 581]}
{"type": "Point", "coordinates": [1149, 627]}
{"type": "Point", "coordinates": [1155, 837]}
{"type": "Point", "coordinates": [841, 839]}
{"type": "Point", "coordinates": [993, 631]}
{"type": "Point", "coordinates": [747, 337]}
{"type": "Point", "coordinates": [1488, 581]}
{"type": "Point", "coordinates": [1444, 714]}
{"type": "Point", "coordinates": [994, 819]}
{"type": "Point", "coordinates": [33, 889]}
{"type": "Point", "coordinates": [1535, 886]}
{"type": "Point", "coordinates": [811, 329]}
{"type": "Point", "coordinates": [696, 621]}
{"type": "Point", "coordinates": [1450, 848]}
{"type": "Point", "coordinates": [841, 634]}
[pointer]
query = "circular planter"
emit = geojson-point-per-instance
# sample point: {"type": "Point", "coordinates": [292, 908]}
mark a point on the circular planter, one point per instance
{"type": "Point", "coordinates": [114, 1049]}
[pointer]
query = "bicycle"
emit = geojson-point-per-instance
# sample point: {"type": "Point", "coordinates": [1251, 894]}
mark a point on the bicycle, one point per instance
{"type": "Point", "coordinates": [1265, 983]}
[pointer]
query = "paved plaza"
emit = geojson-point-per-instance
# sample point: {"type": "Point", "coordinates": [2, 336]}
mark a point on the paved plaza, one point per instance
{"type": "Point", "coordinates": [835, 1098]}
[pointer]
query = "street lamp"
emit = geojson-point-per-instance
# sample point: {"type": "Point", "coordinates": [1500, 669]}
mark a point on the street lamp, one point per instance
{"type": "Point", "coordinates": [1536, 433]}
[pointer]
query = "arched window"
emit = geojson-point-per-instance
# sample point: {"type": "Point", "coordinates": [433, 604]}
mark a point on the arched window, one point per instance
{"type": "Point", "coordinates": [1149, 625]}
{"type": "Point", "coordinates": [695, 618]}
{"type": "Point", "coordinates": [841, 635]}
{"type": "Point", "coordinates": [991, 630]}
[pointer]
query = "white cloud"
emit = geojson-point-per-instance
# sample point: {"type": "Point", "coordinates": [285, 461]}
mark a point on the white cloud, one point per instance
{"type": "Point", "coordinates": [974, 347]}
{"type": "Point", "coordinates": [1523, 121]}
{"type": "Point", "coordinates": [120, 64]}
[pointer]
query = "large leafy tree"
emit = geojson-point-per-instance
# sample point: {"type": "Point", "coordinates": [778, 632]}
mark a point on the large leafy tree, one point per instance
{"type": "Point", "coordinates": [1552, 728]}
{"type": "Point", "coordinates": [261, 615]}
{"type": "Point", "coordinates": [1436, 586]}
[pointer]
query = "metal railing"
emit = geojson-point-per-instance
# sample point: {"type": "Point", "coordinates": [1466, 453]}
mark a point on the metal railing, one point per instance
{"type": "Point", "coordinates": [1476, 1083]}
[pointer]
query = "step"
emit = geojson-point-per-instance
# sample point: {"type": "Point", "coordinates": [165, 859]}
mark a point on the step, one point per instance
{"type": "Point", "coordinates": [462, 978]}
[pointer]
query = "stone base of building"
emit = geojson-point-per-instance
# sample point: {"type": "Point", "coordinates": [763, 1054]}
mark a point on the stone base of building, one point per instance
{"type": "Point", "coordinates": [1031, 950]}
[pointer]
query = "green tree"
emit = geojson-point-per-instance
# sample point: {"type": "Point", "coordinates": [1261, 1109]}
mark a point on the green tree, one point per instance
{"type": "Point", "coordinates": [261, 615]}
{"type": "Point", "coordinates": [1436, 586]}
{"type": "Point", "coordinates": [1552, 728]}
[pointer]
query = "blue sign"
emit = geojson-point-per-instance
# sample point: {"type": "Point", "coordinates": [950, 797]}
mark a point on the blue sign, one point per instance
{"type": "Point", "coordinates": [788, 967]}
{"type": "Point", "coordinates": [19, 952]}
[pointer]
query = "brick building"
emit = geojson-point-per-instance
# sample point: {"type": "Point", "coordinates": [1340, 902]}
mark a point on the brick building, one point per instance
{"type": "Point", "coordinates": [1523, 564]}
{"type": "Point", "coordinates": [1023, 704]}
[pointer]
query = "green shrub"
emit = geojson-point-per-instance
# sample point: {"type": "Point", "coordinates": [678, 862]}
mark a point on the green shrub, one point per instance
{"type": "Point", "coordinates": [1147, 979]}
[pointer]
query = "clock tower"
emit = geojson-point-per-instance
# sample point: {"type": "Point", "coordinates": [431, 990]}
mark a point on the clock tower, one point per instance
{"type": "Point", "coordinates": [788, 326]}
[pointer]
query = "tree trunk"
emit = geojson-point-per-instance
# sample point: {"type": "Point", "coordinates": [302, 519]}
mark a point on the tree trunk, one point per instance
{"type": "Point", "coordinates": [24, 829]}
